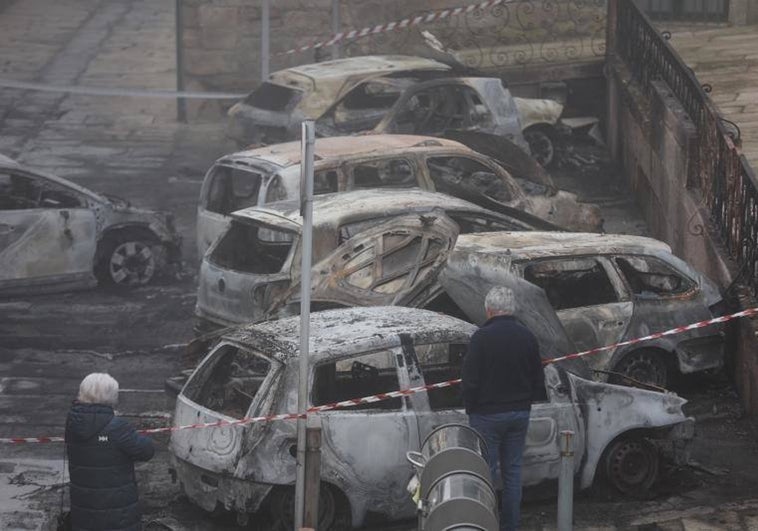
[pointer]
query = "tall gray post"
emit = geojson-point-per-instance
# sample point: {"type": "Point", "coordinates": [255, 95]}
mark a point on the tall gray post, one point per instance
{"type": "Point", "coordinates": [566, 482]}
{"type": "Point", "coordinates": [335, 27]}
{"type": "Point", "coordinates": [181, 103]}
{"type": "Point", "coordinates": [308, 137]}
{"type": "Point", "coordinates": [265, 38]}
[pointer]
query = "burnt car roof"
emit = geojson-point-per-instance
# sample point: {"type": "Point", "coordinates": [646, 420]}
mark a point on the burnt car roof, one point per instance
{"type": "Point", "coordinates": [332, 209]}
{"type": "Point", "coordinates": [289, 153]}
{"type": "Point", "coordinates": [366, 65]}
{"type": "Point", "coordinates": [526, 245]}
{"type": "Point", "coordinates": [337, 332]}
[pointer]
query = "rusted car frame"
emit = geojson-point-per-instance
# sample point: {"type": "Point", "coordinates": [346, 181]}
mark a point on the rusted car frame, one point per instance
{"type": "Point", "coordinates": [356, 352]}
{"type": "Point", "coordinates": [56, 235]}
{"type": "Point", "coordinates": [604, 289]}
{"type": "Point", "coordinates": [259, 176]}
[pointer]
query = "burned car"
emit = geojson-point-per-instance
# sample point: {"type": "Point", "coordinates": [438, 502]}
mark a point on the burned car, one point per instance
{"type": "Point", "coordinates": [372, 247]}
{"type": "Point", "coordinates": [253, 371]}
{"type": "Point", "coordinates": [260, 176]}
{"type": "Point", "coordinates": [56, 235]}
{"type": "Point", "coordinates": [604, 289]}
{"type": "Point", "coordinates": [273, 112]}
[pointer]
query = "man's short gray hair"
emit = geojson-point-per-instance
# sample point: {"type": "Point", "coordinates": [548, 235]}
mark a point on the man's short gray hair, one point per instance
{"type": "Point", "coordinates": [98, 388]}
{"type": "Point", "coordinates": [500, 300]}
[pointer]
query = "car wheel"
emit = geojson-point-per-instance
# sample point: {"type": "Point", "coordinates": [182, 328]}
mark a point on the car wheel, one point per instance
{"type": "Point", "coordinates": [126, 260]}
{"type": "Point", "coordinates": [334, 510]}
{"type": "Point", "coordinates": [631, 465]}
{"type": "Point", "coordinates": [644, 365]}
{"type": "Point", "coordinates": [540, 140]}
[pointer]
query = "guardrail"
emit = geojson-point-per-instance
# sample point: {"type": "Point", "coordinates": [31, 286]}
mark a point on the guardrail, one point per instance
{"type": "Point", "coordinates": [720, 172]}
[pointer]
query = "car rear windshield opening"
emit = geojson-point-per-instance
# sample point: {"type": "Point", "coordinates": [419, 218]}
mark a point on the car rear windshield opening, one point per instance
{"type": "Point", "coordinates": [230, 381]}
{"type": "Point", "coordinates": [253, 249]}
{"type": "Point", "coordinates": [272, 97]}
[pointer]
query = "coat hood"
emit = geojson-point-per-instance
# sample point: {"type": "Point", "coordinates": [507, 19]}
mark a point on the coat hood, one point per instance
{"type": "Point", "coordinates": [87, 420]}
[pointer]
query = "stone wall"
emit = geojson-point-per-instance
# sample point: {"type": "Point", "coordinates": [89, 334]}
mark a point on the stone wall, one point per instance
{"type": "Point", "coordinates": [523, 40]}
{"type": "Point", "coordinates": [654, 140]}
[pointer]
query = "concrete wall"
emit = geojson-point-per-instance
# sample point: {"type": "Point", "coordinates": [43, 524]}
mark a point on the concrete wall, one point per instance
{"type": "Point", "coordinates": [654, 140]}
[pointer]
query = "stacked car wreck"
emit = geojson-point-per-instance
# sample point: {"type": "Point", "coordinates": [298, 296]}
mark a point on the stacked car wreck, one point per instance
{"type": "Point", "coordinates": [433, 203]}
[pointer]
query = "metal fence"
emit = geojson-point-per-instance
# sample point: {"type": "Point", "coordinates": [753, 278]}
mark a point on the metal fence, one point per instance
{"type": "Point", "coordinates": [727, 182]}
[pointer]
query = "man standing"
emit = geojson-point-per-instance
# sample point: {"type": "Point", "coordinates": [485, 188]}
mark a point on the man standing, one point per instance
{"type": "Point", "coordinates": [502, 376]}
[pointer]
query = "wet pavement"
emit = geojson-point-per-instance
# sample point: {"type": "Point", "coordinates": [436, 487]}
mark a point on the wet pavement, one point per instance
{"type": "Point", "coordinates": [134, 148]}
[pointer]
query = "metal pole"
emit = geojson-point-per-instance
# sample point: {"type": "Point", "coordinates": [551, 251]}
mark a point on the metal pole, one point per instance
{"type": "Point", "coordinates": [335, 27]}
{"type": "Point", "coordinates": [265, 40]}
{"type": "Point", "coordinates": [308, 139]}
{"type": "Point", "coordinates": [312, 471]}
{"type": "Point", "coordinates": [566, 482]}
{"type": "Point", "coordinates": [181, 103]}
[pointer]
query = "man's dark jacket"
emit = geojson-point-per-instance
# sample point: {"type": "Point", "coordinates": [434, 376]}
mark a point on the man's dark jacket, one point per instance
{"type": "Point", "coordinates": [101, 450]}
{"type": "Point", "coordinates": [502, 370]}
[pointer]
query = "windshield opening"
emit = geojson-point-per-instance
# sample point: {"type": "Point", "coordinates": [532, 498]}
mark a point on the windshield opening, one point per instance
{"type": "Point", "coordinates": [229, 382]}
{"type": "Point", "coordinates": [253, 249]}
{"type": "Point", "coordinates": [271, 97]}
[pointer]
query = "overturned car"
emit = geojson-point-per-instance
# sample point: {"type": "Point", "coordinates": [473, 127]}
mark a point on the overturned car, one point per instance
{"type": "Point", "coordinates": [259, 176]}
{"type": "Point", "coordinates": [371, 247]}
{"type": "Point", "coordinates": [604, 289]}
{"type": "Point", "coordinates": [356, 352]}
{"type": "Point", "coordinates": [56, 235]}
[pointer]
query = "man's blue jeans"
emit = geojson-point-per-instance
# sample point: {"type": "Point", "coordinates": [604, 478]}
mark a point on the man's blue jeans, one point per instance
{"type": "Point", "coordinates": [505, 435]}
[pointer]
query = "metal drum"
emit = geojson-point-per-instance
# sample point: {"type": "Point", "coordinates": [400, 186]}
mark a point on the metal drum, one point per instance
{"type": "Point", "coordinates": [461, 501]}
{"type": "Point", "coordinates": [451, 448]}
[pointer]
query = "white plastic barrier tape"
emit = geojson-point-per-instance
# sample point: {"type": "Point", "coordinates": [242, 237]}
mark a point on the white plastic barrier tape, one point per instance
{"type": "Point", "coordinates": [404, 392]}
{"type": "Point", "coordinates": [396, 25]}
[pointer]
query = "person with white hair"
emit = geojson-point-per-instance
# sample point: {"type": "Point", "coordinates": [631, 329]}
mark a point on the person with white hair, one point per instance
{"type": "Point", "coordinates": [102, 449]}
{"type": "Point", "coordinates": [502, 375]}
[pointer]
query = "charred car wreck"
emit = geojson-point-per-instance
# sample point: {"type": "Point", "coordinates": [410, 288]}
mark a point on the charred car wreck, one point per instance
{"type": "Point", "coordinates": [357, 352]}
{"type": "Point", "coordinates": [56, 235]}
{"type": "Point", "coordinates": [256, 177]}
{"type": "Point", "coordinates": [371, 247]}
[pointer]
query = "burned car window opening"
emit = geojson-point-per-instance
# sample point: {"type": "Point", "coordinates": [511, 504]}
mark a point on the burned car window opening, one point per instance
{"type": "Point", "coordinates": [390, 173]}
{"type": "Point", "coordinates": [232, 189]}
{"type": "Point", "coordinates": [252, 249]}
{"type": "Point", "coordinates": [325, 182]}
{"type": "Point", "coordinates": [19, 192]}
{"type": "Point", "coordinates": [229, 384]}
{"type": "Point", "coordinates": [572, 283]}
{"type": "Point", "coordinates": [272, 97]}
{"type": "Point", "coordinates": [470, 223]}
{"type": "Point", "coordinates": [648, 276]}
{"type": "Point", "coordinates": [362, 375]}
{"type": "Point", "coordinates": [441, 362]}
{"type": "Point", "coordinates": [451, 173]}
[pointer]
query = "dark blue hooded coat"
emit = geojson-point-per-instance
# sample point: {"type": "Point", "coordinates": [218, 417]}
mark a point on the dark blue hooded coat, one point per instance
{"type": "Point", "coordinates": [101, 453]}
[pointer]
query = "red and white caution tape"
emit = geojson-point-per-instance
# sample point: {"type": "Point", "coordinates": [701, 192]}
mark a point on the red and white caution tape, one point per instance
{"type": "Point", "coordinates": [404, 392]}
{"type": "Point", "coordinates": [396, 25]}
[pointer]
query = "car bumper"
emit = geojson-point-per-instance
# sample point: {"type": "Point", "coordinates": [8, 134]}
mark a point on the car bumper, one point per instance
{"type": "Point", "coordinates": [209, 490]}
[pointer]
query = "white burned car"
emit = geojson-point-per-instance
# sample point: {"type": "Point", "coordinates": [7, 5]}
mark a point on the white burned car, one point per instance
{"type": "Point", "coordinates": [263, 175]}
{"type": "Point", "coordinates": [371, 247]}
{"type": "Point", "coordinates": [253, 371]}
{"type": "Point", "coordinates": [56, 235]}
{"type": "Point", "coordinates": [604, 289]}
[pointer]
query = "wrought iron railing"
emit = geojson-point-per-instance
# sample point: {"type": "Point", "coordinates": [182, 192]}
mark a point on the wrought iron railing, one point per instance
{"type": "Point", "coordinates": [722, 175]}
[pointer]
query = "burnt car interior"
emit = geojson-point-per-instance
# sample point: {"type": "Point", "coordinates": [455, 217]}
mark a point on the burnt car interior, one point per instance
{"type": "Point", "coordinates": [230, 382]}
{"type": "Point", "coordinates": [435, 110]}
{"type": "Point", "coordinates": [233, 188]}
{"type": "Point", "coordinates": [366, 374]}
{"type": "Point", "coordinates": [272, 97]}
{"type": "Point", "coordinates": [473, 223]}
{"type": "Point", "coordinates": [451, 173]}
{"type": "Point", "coordinates": [647, 276]}
{"type": "Point", "coordinates": [252, 248]}
{"type": "Point", "coordinates": [388, 173]}
{"type": "Point", "coordinates": [572, 283]}
{"type": "Point", "coordinates": [441, 362]}
{"type": "Point", "coordinates": [18, 192]}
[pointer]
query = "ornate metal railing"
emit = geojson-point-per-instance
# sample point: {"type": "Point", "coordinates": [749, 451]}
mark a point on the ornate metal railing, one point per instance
{"type": "Point", "coordinates": [719, 171]}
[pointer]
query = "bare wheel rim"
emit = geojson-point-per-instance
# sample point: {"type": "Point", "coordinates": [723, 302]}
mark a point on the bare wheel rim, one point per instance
{"type": "Point", "coordinates": [646, 367]}
{"type": "Point", "coordinates": [541, 146]}
{"type": "Point", "coordinates": [632, 466]}
{"type": "Point", "coordinates": [131, 263]}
